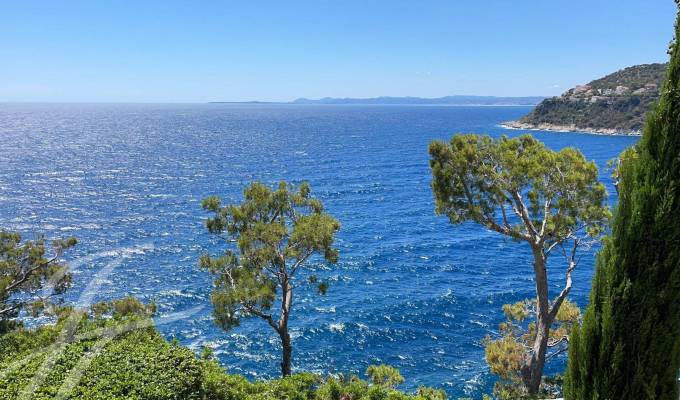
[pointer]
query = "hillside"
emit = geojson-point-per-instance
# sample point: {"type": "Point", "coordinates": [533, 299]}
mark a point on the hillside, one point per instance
{"type": "Point", "coordinates": [614, 104]}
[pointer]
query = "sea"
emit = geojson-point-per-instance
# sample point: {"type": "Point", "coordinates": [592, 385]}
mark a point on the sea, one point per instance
{"type": "Point", "coordinates": [410, 289]}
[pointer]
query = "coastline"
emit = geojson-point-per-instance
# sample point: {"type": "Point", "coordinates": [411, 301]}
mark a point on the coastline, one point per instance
{"type": "Point", "coordinates": [516, 125]}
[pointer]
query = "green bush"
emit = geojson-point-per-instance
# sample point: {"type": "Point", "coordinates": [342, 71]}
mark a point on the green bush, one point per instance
{"type": "Point", "coordinates": [137, 363]}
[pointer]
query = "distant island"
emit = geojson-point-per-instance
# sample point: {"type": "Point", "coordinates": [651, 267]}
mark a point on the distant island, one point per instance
{"type": "Point", "coordinates": [615, 104]}
{"type": "Point", "coordinates": [447, 100]}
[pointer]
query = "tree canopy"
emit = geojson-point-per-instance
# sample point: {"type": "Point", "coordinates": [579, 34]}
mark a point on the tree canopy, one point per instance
{"type": "Point", "coordinates": [555, 195]}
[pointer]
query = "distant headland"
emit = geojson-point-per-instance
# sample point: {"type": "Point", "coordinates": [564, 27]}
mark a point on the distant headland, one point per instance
{"type": "Point", "coordinates": [615, 104]}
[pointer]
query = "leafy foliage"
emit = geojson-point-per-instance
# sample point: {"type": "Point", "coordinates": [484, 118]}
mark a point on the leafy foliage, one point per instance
{"type": "Point", "coordinates": [28, 277]}
{"type": "Point", "coordinates": [479, 179]}
{"type": "Point", "coordinates": [431, 393]}
{"type": "Point", "coordinates": [139, 364]}
{"type": "Point", "coordinates": [121, 308]}
{"type": "Point", "coordinates": [117, 357]}
{"type": "Point", "coordinates": [221, 386]}
{"type": "Point", "coordinates": [506, 354]}
{"type": "Point", "coordinates": [384, 375]}
{"type": "Point", "coordinates": [628, 346]}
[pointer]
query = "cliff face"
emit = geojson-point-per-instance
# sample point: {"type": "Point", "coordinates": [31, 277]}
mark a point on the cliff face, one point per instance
{"type": "Point", "coordinates": [615, 104]}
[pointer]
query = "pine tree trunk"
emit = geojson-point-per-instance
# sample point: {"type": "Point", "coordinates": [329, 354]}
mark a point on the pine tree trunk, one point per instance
{"type": "Point", "coordinates": [287, 353]}
{"type": "Point", "coordinates": [286, 305]}
{"type": "Point", "coordinates": [532, 372]}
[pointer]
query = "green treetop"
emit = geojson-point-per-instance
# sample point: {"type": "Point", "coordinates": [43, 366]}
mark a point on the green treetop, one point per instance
{"type": "Point", "coordinates": [384, 375]}
{"type": "Point", "coordinates": [276, 232]}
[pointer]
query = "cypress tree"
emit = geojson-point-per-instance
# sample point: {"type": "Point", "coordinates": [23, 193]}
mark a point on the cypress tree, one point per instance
{"type": "Point", "coordinates": [628, 346]}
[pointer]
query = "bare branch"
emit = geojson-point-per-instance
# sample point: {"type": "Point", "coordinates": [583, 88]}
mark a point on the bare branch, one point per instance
{"type": "Point", "coordinates": [10, 309]}
{"type": "Point", "coordinates": [491, 223]}
{"type": "Point", "coordinates": [521, 210]}
{"type": "Point", "coordinates": [272, 271]}
{"type": "Point", "coordinates": [267, 317]}
{"type": "Point", "coordinates": [557, 303]}
{"type": "Point", "coordinates": [299, 262]}
{"type": "Point", "coordinates": [27, 273]}
{"type": "Point", "coordinates": [556, 353]}
{"type": "Point", "coordinates": [563, 339]}
{"type": "Point", "coordinates": [505, 217]}
{"type": "Point", "coordinates": [546, 211]}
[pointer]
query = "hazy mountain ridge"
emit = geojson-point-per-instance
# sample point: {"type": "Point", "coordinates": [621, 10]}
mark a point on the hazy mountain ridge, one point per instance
{"type": "Point", "coordinates": [447, 100]}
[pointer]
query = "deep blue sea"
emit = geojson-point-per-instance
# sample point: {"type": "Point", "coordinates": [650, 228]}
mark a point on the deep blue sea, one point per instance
{"type": "Point", "coordinates": [410, 289]}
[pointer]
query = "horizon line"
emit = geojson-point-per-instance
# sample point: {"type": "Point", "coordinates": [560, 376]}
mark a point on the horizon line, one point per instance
{"type": "Point", "coordinates": [293, 101]}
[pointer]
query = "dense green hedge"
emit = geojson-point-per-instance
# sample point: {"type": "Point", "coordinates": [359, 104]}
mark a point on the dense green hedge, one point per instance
{"type": "Point", "coordinates": [141, 364]}
{"type": "Point", "coordinates": [136, 365]}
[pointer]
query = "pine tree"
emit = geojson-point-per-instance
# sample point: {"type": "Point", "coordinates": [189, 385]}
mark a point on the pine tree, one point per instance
{"type": "Point", "coordinates": [629, 344]}
{"type": "Point", "coordinates": [549, 200]}
{"type": "Point", "coordinates": [276, 232]}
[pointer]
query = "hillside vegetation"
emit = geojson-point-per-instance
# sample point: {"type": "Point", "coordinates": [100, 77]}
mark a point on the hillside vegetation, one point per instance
{"type": "Point", "coordinates": [122, 356]}
{"type": "Point", "coordinates": [616, 103]}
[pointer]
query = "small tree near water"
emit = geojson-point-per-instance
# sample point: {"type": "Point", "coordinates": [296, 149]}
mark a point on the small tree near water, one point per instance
{"type": "Point", "coordinates": [550, 200]}
{"type": "Point", "coordinates": [506, 354]}
{"type": "Point", "coordinates": [275, 232]}
{"type": "Point", "coordinates": [29, 275]}
{"type": "Point", "coordinates": [384, 375]}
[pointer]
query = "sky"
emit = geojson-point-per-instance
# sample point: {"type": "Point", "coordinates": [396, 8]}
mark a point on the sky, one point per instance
{"type": "Point", "coordinates": [198, 51]}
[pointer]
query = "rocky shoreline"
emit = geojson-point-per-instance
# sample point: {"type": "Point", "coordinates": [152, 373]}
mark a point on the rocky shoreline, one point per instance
{"type": "Point", "coordinates": [567, 128]}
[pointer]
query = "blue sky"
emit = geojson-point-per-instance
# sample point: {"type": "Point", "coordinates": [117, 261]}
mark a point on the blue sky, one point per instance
{"type": "Point", "coordinates": [195, 51]}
